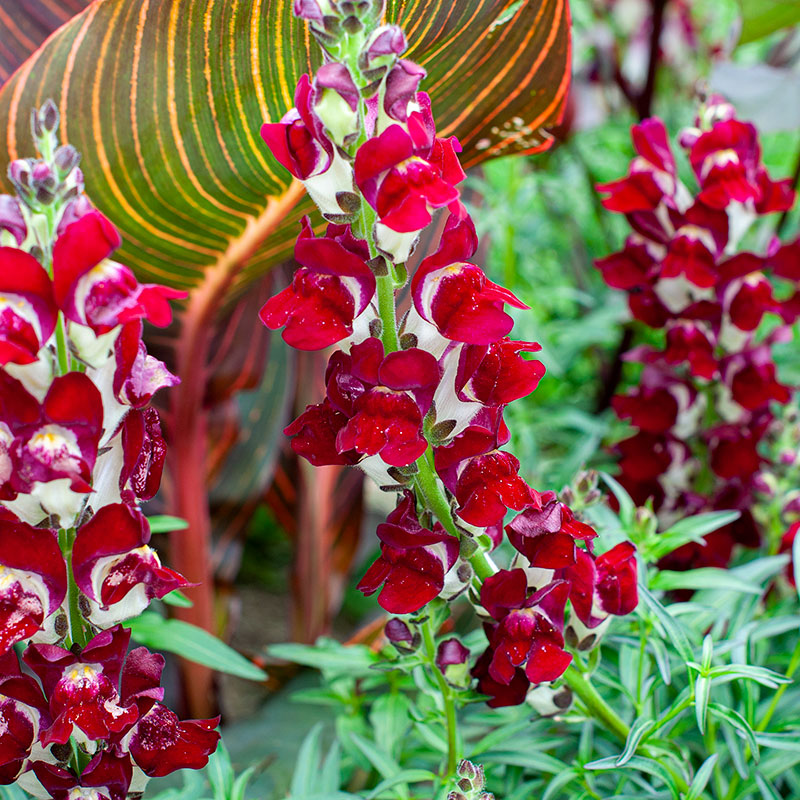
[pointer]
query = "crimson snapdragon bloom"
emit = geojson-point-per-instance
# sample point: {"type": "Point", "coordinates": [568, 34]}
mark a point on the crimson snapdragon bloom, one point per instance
{"type": "Point", "coordinates": [416, 388]}
{"type": "Point", "coordinates": [80, 447]}
{"type": "Point", "coordinates": [685, 273]}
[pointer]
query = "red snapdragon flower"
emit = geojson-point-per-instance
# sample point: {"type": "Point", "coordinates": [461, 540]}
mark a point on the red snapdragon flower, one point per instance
{"type": "Point", "coordinates": [547, 535]}
{"type": "Point", "coordinates": [83, 688]}
{"type": "Point", "coordinates": [406, 171]}
{"type": "Point", "coordinates": [529, 630]}
{"type": "Point", "coordinates": [413, 561]}
{"type": "Point", "coordinates": [95, 291]}
{"type": "Point", "coordinates": [27, 308]}
{"type": "Point", "coordinates": [116, 568]}
{"type": "Point", "coordinates": [33, 580]}
{"type": "Point", "coordinates": [333, 286]}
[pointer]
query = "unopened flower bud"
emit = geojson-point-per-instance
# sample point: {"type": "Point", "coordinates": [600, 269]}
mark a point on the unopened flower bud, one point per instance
{"type": "Point", "coordinates": [383, 46]}
{"type": "Point", "coordinates": [19, 173]}
{"type": "Point", "coordinates": [586, 480]}
{"type": "Point", "coordinates": [336, 102]}
{"type": "Point", "coordinates": [567, 496]}
{"type": "Point", "coordinates": [49, 116]}
{"type": "Point", "coordinates": [11, 220]}
{"type": "Point", "coordinates": [66, 159]}
{"type": "Point", "coordinates": [401, 636]}
{"type": "Point", "coordinates": [645, 520]}
{"type": "Point", "coordinates": [452, 658]}
{"type": "Point", "coordinates": [313, 10]}
{"type": "Point", "coordinates": [793, 506]}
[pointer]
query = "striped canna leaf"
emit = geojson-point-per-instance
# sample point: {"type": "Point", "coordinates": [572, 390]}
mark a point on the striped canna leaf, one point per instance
{"type": "Point", "coordinates": [165, 98]}
{"type": "Point", "coordinates": [26, 24]}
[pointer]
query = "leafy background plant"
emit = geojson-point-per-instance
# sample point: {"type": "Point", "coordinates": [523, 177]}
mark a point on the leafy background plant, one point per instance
{"type": "Point", "coordinates": [544, 228]}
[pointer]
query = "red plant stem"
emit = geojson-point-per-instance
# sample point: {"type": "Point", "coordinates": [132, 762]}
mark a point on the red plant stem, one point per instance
{"type": "Point", "coordinates": [190, 550]}
{"type": "Point", "coordinates": [644, 101]}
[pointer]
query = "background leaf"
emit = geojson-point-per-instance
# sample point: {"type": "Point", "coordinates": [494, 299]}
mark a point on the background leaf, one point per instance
{"type": "Point", "coordinates": [26, 24]}
{"type": "Point", "coordinates": [192, 643]}
{"type": "Point", "coordinates": [762, 17]}
{"type": "Point", "coordinates": [165, 99]}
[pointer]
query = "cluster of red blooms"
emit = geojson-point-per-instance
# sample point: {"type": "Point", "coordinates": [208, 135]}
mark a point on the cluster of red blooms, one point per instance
{"type": "Point", "coordinates": [703, 405]}
{"type": "Point", "coordinates": [80, 447]}
{"type": "Point", "coordinates": [419, 405]}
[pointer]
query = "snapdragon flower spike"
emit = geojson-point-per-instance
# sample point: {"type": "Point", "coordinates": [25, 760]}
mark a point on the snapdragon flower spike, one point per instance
{"type": "Point", "coordinates": [406, 171]}
{"type": "Point", "coordinates": [683, 272]}
{"type": "Point", "coordinates": [27, 309]}
{"type": "Point", "coordinates": [529, 630]}
{"type": "Point", "coordinates": [106, 777]}
{"type": "Point", "coordinates": [546, 535]}
{"type": "Point", "coordinates": [93, 290]}
{"type": "Point", "coordinates": [333, 286]}
{"type": "Point", "coordinates": [456, 296]}
{"type": "Point", "coordinates": [83, 687]}
{"type": "Point", "coordinates": [33, 580]}
{"type": "Point", "coordinates": [116, 568]}
{"type": "Point", "coordinates": [413, 561]}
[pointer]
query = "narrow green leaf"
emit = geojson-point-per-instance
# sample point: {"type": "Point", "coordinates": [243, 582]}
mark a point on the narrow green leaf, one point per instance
{"type": "Point", "coordinates": [662, 659]}
{"type": "Point", "coordinates": [779, 741]}
{"type": "Point", "coordinates": [768, 791]}
{"type": "Point", "coordinates": [161, 523]}
{"type": "Point", "coordinates": [708, 653]}
{"type": "Point", "coordinates": [739, 723]}
{"type": "Point", "coordinates": [736, 751]}
{"type": "Point", "coordinates": [762, 675]}
{"type": "Point", "coordinates": [307, 765]}
{"type": "Point", "coordinates": [405, 776]}
{"type": "Point", "coordinates": [627, 508]}
{"type": "Point", "coordinates": [193, 644]}
{"type": "Point", "coordinates": [220, 773]}
{"type": "Point", "coordinates": [673, 631]}
{"type": "Point", "coordinates": [331, 775]}
{"type": "Point", "coordinates": [178, 599]}
{"type": "Point", "coordinates": [327, 654]}
{"type": "Point", "coordinates": [390, 719]}
{"type": "Point", "coordinates": [703, 578]}
{"type": "Point", "coordinates": [691, 529]}
{"type": "Point", "coordinates": [647, 765]}
{"type": "Point", "coordinates": [240, 784]}
{"type": "Point", "coordinates": [559, 782]}
{"type": "Point", "coordinates": [702, 692]}
{"type": "Point", "coordinates": [639, 728]}
{"type": "Point", "coordinates": [702, 777]}
{"type": "Point", "coordinates": [379, 759]}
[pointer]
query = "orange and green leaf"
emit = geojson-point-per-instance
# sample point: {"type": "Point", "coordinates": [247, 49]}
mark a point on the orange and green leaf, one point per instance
{"type": "Point", "coordinates": [165, 98]}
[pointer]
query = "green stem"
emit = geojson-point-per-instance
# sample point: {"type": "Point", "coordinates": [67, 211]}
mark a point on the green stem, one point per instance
{"type": "Point", "coordinates": [451, 723]}
{"type": "Point", "coordinates": [595, 705]}
{"type": "Point", "coordinates": [77, 629]}
{"type": "Point", "coordinates": [794, 663]}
